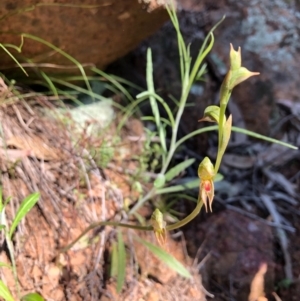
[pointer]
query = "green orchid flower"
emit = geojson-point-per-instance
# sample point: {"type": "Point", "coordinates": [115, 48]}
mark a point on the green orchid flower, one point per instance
{"type": "Point", "coordinates": [206, 174]}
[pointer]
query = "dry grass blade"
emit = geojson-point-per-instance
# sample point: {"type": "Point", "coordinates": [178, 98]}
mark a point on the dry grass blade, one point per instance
{"type": "Point", "coordinates": [280, 180]}
{"type": "Point", "coordinates": [281, 235]}
{"type": "Point", "coordinates": [41, 153]}
{"type": "Point", "coordinates": [35, 146]}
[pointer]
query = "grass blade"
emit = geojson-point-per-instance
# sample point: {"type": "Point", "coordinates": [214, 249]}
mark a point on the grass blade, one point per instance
{"type": "Point", "coordinates": [189, 185]}
{"type": "Point", "coordinates": [181, 45]}
{"type": "Point", "coordinates": [203, 52]}
{"type": "Point", "coordinates": [160, 181]}
{"type": "Point", "coordinates": [5, 293]}
{"type": "Point", "coordinates": [121, 263]}
{"type": "Point", "coordinates": [166, 258]}
{"type": "Point", "coordinates": [13, 58]}
{"type": "Point", "coordinates": [32, 297]}
{"type": "Point", "coordinates": [146, 94]}
{"type": "Point", "coordinates": [150, 85]}
{"type": "Point", "coordinates": [176, 170]}
{"type": "Point", "coordinates": [192, 184]}
{"type": "Point", "coordinates": [234, 129]}
{"type": "Point", "coordinates": [114, 261]}
{"type": "Point", "coordinates": [114, 83]}
{"type": "Point", "coordinates": [5, 265]}
{"type": "Point", "coordinates": [262, 137]}
{"type": "Point", "coordinates": [1, 200]}
{"type": "Point", "coordinates": [153, 103]}
{"type": "Point", "coordinates": [25, 207]}
{"type": "Point", "coordinates": [218, 177]}
{"type": "Point", "coordinates": [50, 84]}
{"type": "Point", "coordinates": [78, 89]}
{"type": "Point", "coordinates": [61, 52]}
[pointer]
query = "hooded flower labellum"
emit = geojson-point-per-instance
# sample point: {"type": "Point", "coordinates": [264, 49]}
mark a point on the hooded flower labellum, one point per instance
{"type": "Point", "coordinates": [211, 114]}
{"type": "Point", "coordinates": [159, 226]}
{"type": "Point", "coordinates": [206, 174]}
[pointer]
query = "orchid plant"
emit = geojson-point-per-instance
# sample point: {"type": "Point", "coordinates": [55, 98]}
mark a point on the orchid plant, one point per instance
{"type": "Point", "coordinates": [206, 171]}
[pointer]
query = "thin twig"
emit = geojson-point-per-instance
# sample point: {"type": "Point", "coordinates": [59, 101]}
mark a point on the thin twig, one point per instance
{"type": "Point", "coordinates": [21, 120]}
{"type": "Point", "coordinates": [253, 216]}
{"type": "Point", "coordinates": [281, 235]}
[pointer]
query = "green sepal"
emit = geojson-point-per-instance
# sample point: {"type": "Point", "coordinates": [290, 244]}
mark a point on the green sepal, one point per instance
{"type": "Point", "coordinates": [211, 114]}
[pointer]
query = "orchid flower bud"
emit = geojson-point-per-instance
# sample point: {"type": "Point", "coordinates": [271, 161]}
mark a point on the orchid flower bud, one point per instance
{"type": "Point", "coordinates": [159, 226]}
{"type": "Point", "coordinates": [212, 114]}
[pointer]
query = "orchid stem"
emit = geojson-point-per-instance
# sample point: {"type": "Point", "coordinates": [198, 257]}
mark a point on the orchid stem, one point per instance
{"type": "Point", "coordinates": [174, 226]}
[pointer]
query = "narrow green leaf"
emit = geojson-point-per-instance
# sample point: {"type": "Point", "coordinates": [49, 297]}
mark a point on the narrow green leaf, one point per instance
{"type": "Point", "coordinates": [114, 261]}
{"type": "Point", "coordinates": [166, 258]}
{"type": "Point", "coordinates": [115, 82]}
{"type": "Point", "coordinates": [176, 170]}
{"type": "Point", "coordinates": [147, 94]}
{"type": "Point", "coordinates": [129, 111]}
{"type": "Point", "coordinates": [211, 114]}
{"type": "Point", "coordinates": [1, 200]}
{"type": "Point", "coordinates": [218, 177]}
{"type": "Point", "coordinates": [32, 297]}
{"type": "Point", "coordinates": [204, 50]}
{"type": "Point", "coordinates": [262, 137]}
{"type": "Point", "coordinates": [140, 218]}
{"type": "Point", "coordinates": [78, 89]}
{"type": "Point", "coordinates": [150, 85]}
{"type": "Point", "coordinates": [142, 94]}
{"type": "Point", "coordinates": [8, 199]}
{"type": "Point", "coordinates": [121, 263]}
{"type": "Point", "coordinates": [137, 186]}
{"type": "Point", "coordinates": [201, 72]}
{"type": "Point", "coordinates": [12, 57]}
{"type": "Point", "coordinates": [159, 181]}
{"type": "Point", "coordinates": [153, 103]}
{"type": "Point", "coordinates": [5, 265]}
{"type": "Point", "coordinates": [194, 133]}
{"type": "Point", "coordinates": [24, 208]}
{"type": "Point", "coordinates": [162, 135]}
{"type": "Point", "coordinates": [192, 184]}
{"type": "Point", "coordinates": [234, 129]}
{"type": "Point", "coordinates": [186, 186]}
{"type": "Point", "coordinates": [5, 293]}
{"type": "Point", "coordinates": [61, 52]}
{"type": "Point", "coordinates": [50, 83]}
{"type": "Point", "coordinates": [180, 41]}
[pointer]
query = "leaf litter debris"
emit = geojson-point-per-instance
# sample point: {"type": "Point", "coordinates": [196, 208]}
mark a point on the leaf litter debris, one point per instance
{"type": "Point", "coordinates": [42, 153]}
